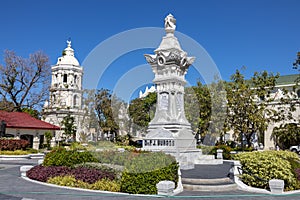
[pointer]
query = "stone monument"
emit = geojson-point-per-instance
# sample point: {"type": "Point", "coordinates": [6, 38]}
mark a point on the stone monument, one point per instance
{"type": "Point", "coordinates": [169, 130]}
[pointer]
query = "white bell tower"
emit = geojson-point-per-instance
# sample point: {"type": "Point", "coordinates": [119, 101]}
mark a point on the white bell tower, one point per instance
{"type": "Point", "coordinates": [65, 92]}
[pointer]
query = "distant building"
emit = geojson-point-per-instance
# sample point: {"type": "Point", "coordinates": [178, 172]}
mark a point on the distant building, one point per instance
{"type": "Point", "coordinates": [66, 94]}
{"type": "Point", "coordinates": [288, 83]}
{"type": "Point", "coordinates": [22, 126]}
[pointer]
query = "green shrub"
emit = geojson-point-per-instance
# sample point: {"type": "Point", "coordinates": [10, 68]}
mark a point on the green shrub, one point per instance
{"type": "Point", "coordinates": [114, 157]}
{"type": "Point", "coordinates": [144, 171]}
{"type": "Point", "coordinates": [70, 181]}
{"type": "Point", "coordinates": [106, 185]}
{"type": "Point", "coordinates": [77, 146]}
{"type": "Point", "coordinates": [226, 151]}
{"type": "Point", "coordinates": [48, 136]}
{"type": "Point", "coordinates": [268, 165]}
{"type": "Point", "coordinates": [62, 157]}
{"type": "Point", "coordinates": [31, 150]}
{"type": "Point", "coordinates": [205, 149]}
{"type": "Point", "coordinates": [116, 169]}
{"type": "Point", "coordinates": [104, 145]}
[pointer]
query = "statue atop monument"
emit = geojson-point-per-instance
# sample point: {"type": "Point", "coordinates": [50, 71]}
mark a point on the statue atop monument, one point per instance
{"type": "Point", "coordinates": [170, 24]}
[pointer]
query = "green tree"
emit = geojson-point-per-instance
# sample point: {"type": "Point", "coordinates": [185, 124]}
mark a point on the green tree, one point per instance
{"type": "Point", "coordinates": [286, 135]}
{"type": "Point", "coordinates": [249, 109]}
{"type": "Point", "coordinates": [197, 102]}
{"type": "Point", "coordinates": [32, 112]}
{"type": "Point", "coordinates": [69, 127]}
{"type": "Point", "coordinates": [296, 65]}
{"type": "Point", "coordinates": [217, 125]}
{"type": "Point", "coordinates": [296, 101]}
{"type": "Point", "coordinates": [89, 120]}
{"type": "Point", "coordinates": [48, 136]}
{"type": "Point", "coordinates": [141, 111]}
{"type": "Point", "coordinates": [105, 105]}
{"type": "Point", "coordinates": [205, 109]}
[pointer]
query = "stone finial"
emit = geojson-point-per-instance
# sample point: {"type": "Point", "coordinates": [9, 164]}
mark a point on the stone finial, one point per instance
{"type": "Point", "coordinates": [170, 24]}
{"type": "Point", "coordinates": [69, 42]}
{"type": "Point", "coordinates": [68, 51]}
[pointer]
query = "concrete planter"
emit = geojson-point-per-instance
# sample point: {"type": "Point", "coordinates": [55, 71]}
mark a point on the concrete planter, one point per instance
{"type": "Point", "coordinates": [14, 157]}
{"type": "Point", "coordinates": [165, 187]}
{"type": "Point", "coordinates": [276, 186]}
{"type": "Point", "coordinates": [37, 156]}
{"type": "Point", "coordinates": [219, 153]}
{"type": "Point", "coordinates": [40, 161]}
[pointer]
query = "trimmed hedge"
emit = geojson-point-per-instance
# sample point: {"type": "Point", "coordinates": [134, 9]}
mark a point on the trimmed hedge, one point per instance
{"type": "Point", "coordinates": [13, 144]}
{"type": "Point", "coordinates": [144, 171]}
{"type": "Point", "coordinates": [269, 165]}
{"type": "Point", "coordinates": [115, 169]}
{"type": "Point", "coordinates": [62, 157]}
{"type": "Point", "coordinates": [114, 157]}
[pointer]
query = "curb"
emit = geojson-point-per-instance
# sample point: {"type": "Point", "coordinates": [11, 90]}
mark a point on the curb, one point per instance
{"type": "Point", "coordinates": [25, 168]}
{"type": "Point", "coordinates": [92, 191]}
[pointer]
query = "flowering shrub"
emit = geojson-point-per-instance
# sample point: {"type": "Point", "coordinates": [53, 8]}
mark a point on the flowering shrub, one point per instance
{"type": "Point", "coordinates": [87, 175]}
{"type": "Point", "coordinates": [268, 165]}
{"type": "Point", "coordinates": [62, 157]}
{"type": "Point", "coordinates": [13, 144]}
{"type": "Point", "coordinates": [71, 181]}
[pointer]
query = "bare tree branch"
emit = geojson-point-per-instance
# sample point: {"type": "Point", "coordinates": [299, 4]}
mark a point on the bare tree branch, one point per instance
{"type": "Point", "coordinates": [25, 81]}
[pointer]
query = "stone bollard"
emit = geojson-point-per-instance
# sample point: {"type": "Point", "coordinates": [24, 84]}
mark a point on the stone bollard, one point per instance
{"type": "Point", "coordinates": [219, 153]}
{"type": "Point", "coordinates": [53, 142]}
{"type": "Point", "coordinates": [236, 170]}
{"type": "Point", "coordinates": [165, 188]}
{"type": "Point", "coordinates": [24, 169]}
{"type": "Point", "coordinates": [276, 186]}
{"type": "Point", "coordinates": [40, 161]}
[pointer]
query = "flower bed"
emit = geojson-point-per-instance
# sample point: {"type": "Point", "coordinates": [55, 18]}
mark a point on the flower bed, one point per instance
{"type": "Point", "coordinates": [43, 173]}
{"type": "Point", "coordinates": [13, 144]}
{"type": "Point", "coordinates": [130, 172]}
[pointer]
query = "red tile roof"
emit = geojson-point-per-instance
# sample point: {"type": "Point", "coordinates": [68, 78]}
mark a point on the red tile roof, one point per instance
{"type": "Point", "coordinates": [19, 120]}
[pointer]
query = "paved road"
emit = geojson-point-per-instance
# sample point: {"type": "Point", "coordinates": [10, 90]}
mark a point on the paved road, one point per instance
{"type": "Point", "coordinates": [207, 171]}
{"type": "Point", "coordinates": [13, 187]}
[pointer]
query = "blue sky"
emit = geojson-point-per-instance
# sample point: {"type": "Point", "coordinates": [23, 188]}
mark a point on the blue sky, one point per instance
{"type": "Point", "coordinates": [258, 34]}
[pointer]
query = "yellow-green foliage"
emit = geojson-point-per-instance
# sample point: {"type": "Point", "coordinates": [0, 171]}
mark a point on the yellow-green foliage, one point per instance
{"type": "Point", "coordinates": [268, 165]}
{"type": "Point", "coordinates": [16, 152]}
{"type": "Point", "coordinates": [70, 181]}
{"type": "Point", "coordinates": [106, 185]}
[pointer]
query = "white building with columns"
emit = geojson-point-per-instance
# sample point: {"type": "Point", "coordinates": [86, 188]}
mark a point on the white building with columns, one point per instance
{"type": "Point", "coordinates": [66, 94]}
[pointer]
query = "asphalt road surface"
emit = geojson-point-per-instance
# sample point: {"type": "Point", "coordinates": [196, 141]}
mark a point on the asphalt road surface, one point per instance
{"type": "Point", "coordinates": [13, 187]}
